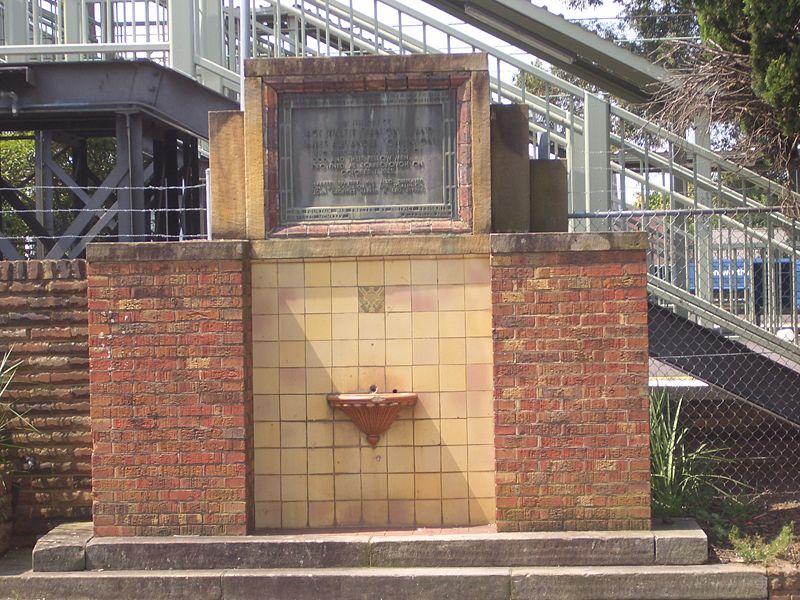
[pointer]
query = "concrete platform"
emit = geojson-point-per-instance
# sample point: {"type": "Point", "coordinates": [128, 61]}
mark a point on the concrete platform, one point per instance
{"type": "Point", "coordinates": [70, 548]}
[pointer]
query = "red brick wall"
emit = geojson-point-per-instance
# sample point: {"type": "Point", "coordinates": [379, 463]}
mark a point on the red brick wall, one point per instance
{"type": "Point", "coordinates": [171, 388]}
{"type": "Point", "coordinates": [570, 330]}
{"type": "Point", "coordinates": [43, 316]}
{"type": "Point", "coordinates": [783, 581]}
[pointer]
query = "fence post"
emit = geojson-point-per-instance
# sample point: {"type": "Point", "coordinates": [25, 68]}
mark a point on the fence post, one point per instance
{"type": "Point", "coordinates": [597, 177]}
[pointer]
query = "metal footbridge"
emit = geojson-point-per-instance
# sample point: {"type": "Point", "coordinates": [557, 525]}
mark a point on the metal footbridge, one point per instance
{"type": "Point", "coordinates": [723, 256]}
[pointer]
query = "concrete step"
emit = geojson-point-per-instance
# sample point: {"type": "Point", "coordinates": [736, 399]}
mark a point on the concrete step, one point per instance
{"type": "Point", "coordinates": [670, 582]}
{"type": "Point", "coordinates": [69, 548]}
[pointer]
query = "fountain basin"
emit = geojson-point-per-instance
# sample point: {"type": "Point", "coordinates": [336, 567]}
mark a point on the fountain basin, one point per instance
{"type": "Point", "coordinates": [372, 412]}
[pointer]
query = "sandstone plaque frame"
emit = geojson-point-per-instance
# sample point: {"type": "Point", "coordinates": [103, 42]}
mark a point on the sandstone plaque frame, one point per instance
{"type": "Point", "coordinates": [269, 81]}
{"type": "Point", "coordinates": [367, 155]}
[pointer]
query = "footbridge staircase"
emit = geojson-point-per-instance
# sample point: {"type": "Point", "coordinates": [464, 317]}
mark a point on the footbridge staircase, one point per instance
{"type": "Point", "coordinates": [723, 254]}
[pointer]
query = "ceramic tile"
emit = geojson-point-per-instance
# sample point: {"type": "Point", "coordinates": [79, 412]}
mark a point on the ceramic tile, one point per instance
{"type": "Point", "coordinates": [427, 406]}
{"type": "Point", "coordinates": [424, 298]}
{"type": "Point", "coordinates": [348, 514]}
{"type": "Point", "coordinates": [397, 298]}
{"type": "Point", "coordinates": [481, 484]}
{"type": "Point", "coordinates": [480, 431]}
{"type": "Point", "coordinates": [293, 435]}
{"type": "Point", "coordinates": [267, 461]}
{"type": "Point", "coordinates": [398, 326]}
{"type": "Point", "coordinates": [265, 301]}
{"type": "Point", "coordinates": [450, 297]}
{"type": "Point", "coordinates": [317, 274]}
{"type": "Point", "coordinates": [425, 324]}
{"type": "Point", "coordinates": [344, 273]}
{"type": "Point", "coordinates": [266, 407]}
{"type": "Point", "coordinates": [371, 298]}
{"type": "Point", "coordinates": [345, 326]}
{"type": "Point", "coordinates": [399, 378]}
{"type": "Point", "coordinates": [373, 460]}
{"type": "Point", "coordinates": [347, 487]}
{"type": "Point", "coordinates": [320, 460]}
{"type": "Point", "coordinates": [291, 301]}
{"type": "Point", "coordinates": [265, 354]}
{"type": "Point", "coordinates": [453, 431]}
{"type": "Point", "coordinates": [400, 459]}
{"type": "Point", "coordinates": [290, 274]}
{"type": "Point", "coordinates": [454, 485]}
{"type": "Point", "coordinates": [479, 323]}
{"type": "Point", "coordinates": [267, 434]}
{"type": "Point", "coordinates": [318, 327]}
{"type": "Point", "coordinates": [321, 514]}
{"type": "Point", "coordinates": [344, 379]}
{"type": "Point", "coordinates": [290, 327]}
{"type": "Point", "coordinates": [318, 380]}
{"type": "Point", "coordinates": [426, 378]}
{"type": "Point", "coordinates": [452, 378]}
{"type": "Point", "coordinates": [479, 377]}
{"type": "Point", "coordinates": [265, 328]}
{"type": "Point", "coordinates": [294, 461]}
{"type": "Point", "coordinates": [480, 458]}
{"type": "Point", "coordinates": [477, 270]}
{"type": "Point", "coordinates": [428, 513]}
{"type": "Point", "coordinates": [373, 486]}
{"type": "Point", "coordinates": [425, 352]}
{"type": "Point", "coordinates": [481, 510]}
{"type": "Point", "coordinates": [397, 272]}
{"type": "Point", "coordinates": [453, 405]}
{"type": "Point", "coordinates": [477, 296]}
{"type": "Point", "coordinates": [370, 272]}
{"type": "Point", "coordinates": [267, 487]}
{"type": "Point", "coordinates": [268, 514]}
{"type": "Point", "coordinates": [452, 324]}
{"type": "Point", "coordinates": [318, 300]}
{"type": "Point", "coordinates": [398, 352]}
{"type": "Point", "coordinates": [455, 512]}
{"type": "Point", "coordinates": [320, 487]}
{"type": "Point", "coordinates": [455, 459]}
{"type": "Point", "coordinates": [292, 354]}
{"type": "Point", "coordinates": [401, 513]}
{"type": "Point", "coordinates": [292, 381]}
{"type": "Point", "coordinates": [294, 515]}
{"type": "Point", "coordinates": [346, 460]}
{"type": "Point", "coordinates": [480, 404]}
{"type": "Point", "coordinates": [427, 486]}
{"type": "Point", "coordinates": [264, 275]}
{"type": "Point", "coordinates": [344, 300]}
{"type": "Point", "coordinates": [265, 381]}
{"type": "Point", "coordinates": [293, 407]}
{"type": "Point", "coordinates": [319, 353]}
{"type": "Point", "coordinates": [369, 376]}
{"type": "Point", "coordinates": [317, 408]}
{"type": "Point", "coordinates": [452, 351]}
{"type": "Point", "coordinates": [450, 270]}
{"type": "Point", "coordinates": [371, 326]}
{"type": "Point", "coordinates": [479, 350]}
{"type": "Point", "coordinates": [375, 512]}
{"type": "Point", "coordinates": [401, 433]}
{"type": "Point", "coordinates": [401, 486]}
{"type": "Point", "coordinates": [345, 352]}
{"type": "Point", "coordinates": [427, 459]}
{"type": "Point", "coordinates": [426, 433]}
{"type": "Point", "coordinates": [423, 271]}
{"type": "Point", "coordinates": [320, 434]}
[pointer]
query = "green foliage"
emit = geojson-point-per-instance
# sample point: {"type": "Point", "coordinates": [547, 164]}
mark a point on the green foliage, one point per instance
{"type": "Point", "coordinates": [753, 548]}
{"type": "Point", "coordinates": [683, 476]}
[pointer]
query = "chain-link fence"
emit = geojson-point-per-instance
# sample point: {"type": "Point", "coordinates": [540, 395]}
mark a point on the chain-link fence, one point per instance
{"type": "Point", "coordinates": [723, 327]}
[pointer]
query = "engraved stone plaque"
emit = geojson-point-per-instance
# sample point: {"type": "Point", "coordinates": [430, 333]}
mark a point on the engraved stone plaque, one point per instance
{"type": "Point", "coordinates": [367, 155]}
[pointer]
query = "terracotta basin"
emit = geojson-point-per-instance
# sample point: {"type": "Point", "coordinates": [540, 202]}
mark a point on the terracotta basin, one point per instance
{"type": "Point", "coordinates": [372, 412]}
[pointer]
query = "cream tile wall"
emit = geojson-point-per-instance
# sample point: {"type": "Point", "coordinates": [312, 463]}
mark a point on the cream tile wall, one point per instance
{"type": "Point", "coordinates": [418, 324]}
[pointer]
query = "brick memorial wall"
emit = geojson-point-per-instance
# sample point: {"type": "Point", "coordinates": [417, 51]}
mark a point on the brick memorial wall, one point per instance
{"type": "Point", "coordinates": [570, 375]}
{"type": "Point", "coordinates": [171, 388]}
{"type": "Point", "coordinates": [43, 317]}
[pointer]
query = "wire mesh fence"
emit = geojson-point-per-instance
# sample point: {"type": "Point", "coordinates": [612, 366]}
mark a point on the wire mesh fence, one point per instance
{"type": "Point", "coordinates": [723, 330]}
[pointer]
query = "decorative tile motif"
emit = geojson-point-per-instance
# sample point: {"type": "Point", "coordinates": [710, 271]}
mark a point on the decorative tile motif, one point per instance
{"type": "Point", "coordinates": [371, 298]}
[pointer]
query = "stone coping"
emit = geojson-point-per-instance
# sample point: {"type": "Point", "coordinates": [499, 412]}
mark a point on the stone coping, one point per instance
{"type": "Point", "coordinates": [507, 243]}
{"type": "Point", "coordinates": [167, 251]}
{"type": "Point", "coordinates": [365, 65]}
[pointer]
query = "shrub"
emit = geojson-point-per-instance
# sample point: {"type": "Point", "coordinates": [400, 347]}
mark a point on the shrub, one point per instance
{"type": "Point", "coordinates": [753, 548]}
